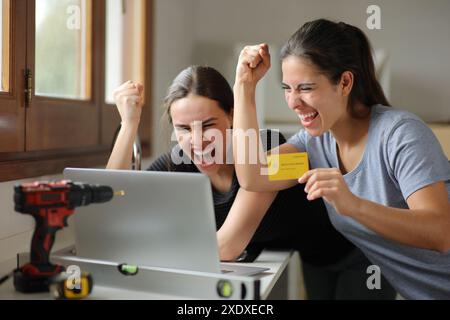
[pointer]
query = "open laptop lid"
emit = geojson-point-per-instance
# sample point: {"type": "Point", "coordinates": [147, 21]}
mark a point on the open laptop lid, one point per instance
{"type": "Point", "coordinates": [164, 220]}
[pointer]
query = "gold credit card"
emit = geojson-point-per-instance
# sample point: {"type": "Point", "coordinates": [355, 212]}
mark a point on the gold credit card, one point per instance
{"type": "Point", "coordinates": [288, 166]}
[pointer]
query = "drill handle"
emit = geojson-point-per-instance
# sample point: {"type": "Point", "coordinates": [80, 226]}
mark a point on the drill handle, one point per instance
{"type": "Point", "coordinates": [42, 241]}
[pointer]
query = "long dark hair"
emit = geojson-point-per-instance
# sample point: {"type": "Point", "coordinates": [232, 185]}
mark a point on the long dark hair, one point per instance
{"type": "Point", "coordinates": [335, 48]}
{"type": "Point", "coordinates": [202, 81]}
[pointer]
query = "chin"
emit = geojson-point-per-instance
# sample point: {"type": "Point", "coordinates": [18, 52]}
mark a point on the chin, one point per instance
{"type": "Point", "coordinates": [209, 169]}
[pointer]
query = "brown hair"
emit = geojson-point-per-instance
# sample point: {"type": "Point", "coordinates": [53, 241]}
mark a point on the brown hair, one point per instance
{"type": "Point", "coordinates": [202, 81]}
{"type": "Point", "coordinates": [335, 48]}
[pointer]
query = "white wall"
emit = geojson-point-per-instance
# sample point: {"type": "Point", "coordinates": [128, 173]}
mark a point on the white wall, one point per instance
{"type": "Point", "coordinates": [174, 42]}
{"type": "Point", "coordinates": [415, 33]}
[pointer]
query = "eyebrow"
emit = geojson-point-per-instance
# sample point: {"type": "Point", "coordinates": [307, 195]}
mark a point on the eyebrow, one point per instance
{"type": "Point", "coordinates": [206, 122]}
{"type": "Point", "coordinates": [301, 84]}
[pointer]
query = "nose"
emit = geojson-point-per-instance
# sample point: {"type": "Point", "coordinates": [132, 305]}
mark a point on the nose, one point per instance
{"type": "Point", "coordinates": [197, 136]}
{"type": "Point", "coordinates": [293, 99]}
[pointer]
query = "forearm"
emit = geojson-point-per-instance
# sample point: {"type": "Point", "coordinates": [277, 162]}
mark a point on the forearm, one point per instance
{"type": "Point", "coordinates": [246, 138]}
{"type": "Point", "coordinates": [242, 222]}
{"type": "Point", "coordinates": [421, 228]}
{"type": "Point", "coordinates": [250, 159]}
{"type": "Point", "coordinates": [229, 248]}
{"type": "Point", "coordinates": [121, 155]}
{"type": "Point", "coordinates": [236, 233]}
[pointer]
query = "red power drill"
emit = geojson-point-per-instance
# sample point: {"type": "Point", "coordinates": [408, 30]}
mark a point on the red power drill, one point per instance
{"type": "Point", "coordinates": [51, 204]}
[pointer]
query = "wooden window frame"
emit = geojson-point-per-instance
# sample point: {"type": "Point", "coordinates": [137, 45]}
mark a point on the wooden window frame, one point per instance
{"type": "Point", "coordinates": [30, 164]}
{"type": "Point", "coordinates": [11, 112]}
{"type": "Point", "coordinates": [111, 120]}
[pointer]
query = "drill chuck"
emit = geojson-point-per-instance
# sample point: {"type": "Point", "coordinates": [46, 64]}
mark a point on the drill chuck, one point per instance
{"type": "Point", "coordinates": [84, 195]}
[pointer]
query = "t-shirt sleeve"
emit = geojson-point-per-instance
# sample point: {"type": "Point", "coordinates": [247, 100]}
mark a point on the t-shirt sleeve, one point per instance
{"type": "Point", "coordinates": [415, 157]}
{"type": "Point", "coordinates": [299, 140]}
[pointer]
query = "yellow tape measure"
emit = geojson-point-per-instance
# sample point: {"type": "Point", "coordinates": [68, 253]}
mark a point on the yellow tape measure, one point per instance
{"type": "Point", "coordinates": [64, 288]}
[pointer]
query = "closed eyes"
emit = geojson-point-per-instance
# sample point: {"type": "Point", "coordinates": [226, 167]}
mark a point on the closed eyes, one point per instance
{"type": "Point", "coordinates": [188, 128]}
{"type": "Point", "coordinates": [302, 87]}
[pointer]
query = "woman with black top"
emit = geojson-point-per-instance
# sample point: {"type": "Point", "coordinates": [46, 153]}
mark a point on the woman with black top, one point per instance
{"type": "Point", "coordinates": [200, 101]}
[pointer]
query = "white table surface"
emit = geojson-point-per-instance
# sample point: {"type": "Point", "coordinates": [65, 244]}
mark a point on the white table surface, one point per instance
{"type": "Point", "coordinates": [278, 262]}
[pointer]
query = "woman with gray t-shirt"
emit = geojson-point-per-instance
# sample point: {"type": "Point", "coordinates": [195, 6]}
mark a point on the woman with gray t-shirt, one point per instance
{"type": "Point", "coordinates": [381, 171]}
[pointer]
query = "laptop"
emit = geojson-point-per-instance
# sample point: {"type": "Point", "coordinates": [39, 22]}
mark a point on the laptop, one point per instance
{"type": "Point", "coordinates": [163, 220]}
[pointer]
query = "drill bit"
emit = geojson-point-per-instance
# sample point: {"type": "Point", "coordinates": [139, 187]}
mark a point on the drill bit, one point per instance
{"type": "Point", "coordinates": [120, 193]}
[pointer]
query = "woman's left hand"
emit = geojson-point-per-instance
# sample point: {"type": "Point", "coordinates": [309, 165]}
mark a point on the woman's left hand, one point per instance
{"type": "Point", "coordinates": [330, 185]}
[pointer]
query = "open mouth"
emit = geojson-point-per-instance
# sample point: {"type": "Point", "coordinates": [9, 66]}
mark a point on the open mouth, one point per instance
{"type": "Point", "coordinates": [204, 158]}
{"type": "Point", "coordinates": [307, 119]}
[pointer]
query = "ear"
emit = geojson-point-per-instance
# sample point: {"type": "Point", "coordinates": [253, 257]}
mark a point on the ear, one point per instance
{"type": "Point", "coordinates": [346, 83]}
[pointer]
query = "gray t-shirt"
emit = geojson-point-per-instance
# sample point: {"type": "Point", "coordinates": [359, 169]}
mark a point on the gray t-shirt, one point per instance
{"type": "Point", "coordinates": [401, 157]}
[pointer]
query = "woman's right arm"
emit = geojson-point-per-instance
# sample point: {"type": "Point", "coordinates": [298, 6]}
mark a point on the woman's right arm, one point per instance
{"type": "Point", "coordinates": [253, 64]}
{"type": "Point", "coordinates": [129, 100]}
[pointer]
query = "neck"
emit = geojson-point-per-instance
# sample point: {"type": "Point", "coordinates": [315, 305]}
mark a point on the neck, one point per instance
{"type": "Point", "coordinates": [226, 171]}
{"type": "Point", "coordinates": [223, 178]}
{"type": "Point", "coordinates": [350, 131]}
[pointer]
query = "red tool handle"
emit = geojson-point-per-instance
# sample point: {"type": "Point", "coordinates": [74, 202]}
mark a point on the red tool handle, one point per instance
{"type": "Point", "coordinates": [48, 222]}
